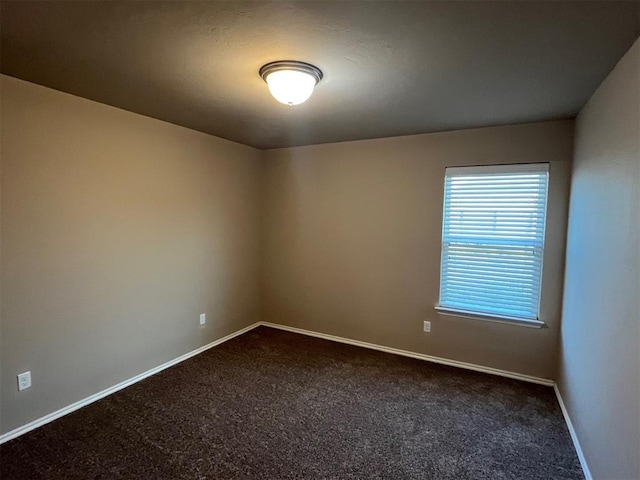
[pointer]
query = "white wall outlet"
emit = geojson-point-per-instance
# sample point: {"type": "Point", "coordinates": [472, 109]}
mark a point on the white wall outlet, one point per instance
{"type": "Point", "coordinates": [427, 327]}
{"type": "Point", "coordinates": [24, 380]}
{"type": "Point", "coordinates": [203, 318]}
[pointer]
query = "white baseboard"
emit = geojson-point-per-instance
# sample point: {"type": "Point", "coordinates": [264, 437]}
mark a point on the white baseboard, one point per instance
{"type": "Point", "coordinates": [455, 363]}
{"type": "Point", "coordinates": [574, 435]}
{"type": "Point", "coordinates": [108, 391]}
{"type": "Point", "coordinates": [419, 356]}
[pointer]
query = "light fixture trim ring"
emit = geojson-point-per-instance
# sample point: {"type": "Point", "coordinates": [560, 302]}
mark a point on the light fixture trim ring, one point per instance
{"type": "Point", "coordinates": [294, 65]}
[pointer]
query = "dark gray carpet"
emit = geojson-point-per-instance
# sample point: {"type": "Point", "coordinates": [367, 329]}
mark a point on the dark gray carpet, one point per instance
{"type": "Point", "coordinates": [276, 405]}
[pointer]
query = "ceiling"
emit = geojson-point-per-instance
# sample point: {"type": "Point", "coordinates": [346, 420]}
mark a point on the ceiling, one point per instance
{"type": "Point", "coordinates": [391, 68]}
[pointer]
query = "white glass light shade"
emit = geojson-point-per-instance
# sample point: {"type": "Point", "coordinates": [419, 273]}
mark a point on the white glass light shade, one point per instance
{"type": "Point", "coordinates": [290, 82]}
{"type": "Point", "coordinates": [290, 87]}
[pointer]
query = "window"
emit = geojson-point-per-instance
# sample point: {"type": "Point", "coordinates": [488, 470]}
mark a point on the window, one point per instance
{"type": "Point", "coordinates": [493, 241]}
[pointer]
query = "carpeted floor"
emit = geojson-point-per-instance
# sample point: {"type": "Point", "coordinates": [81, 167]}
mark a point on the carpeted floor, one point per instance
{"type": "Point", "coordinates": [277, 405]}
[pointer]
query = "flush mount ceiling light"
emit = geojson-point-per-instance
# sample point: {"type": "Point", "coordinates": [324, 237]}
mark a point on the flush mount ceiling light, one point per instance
{"type": "Point", "coordinates": [291, 82]}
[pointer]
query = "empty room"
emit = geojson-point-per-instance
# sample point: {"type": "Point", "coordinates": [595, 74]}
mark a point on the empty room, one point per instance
{"type": "Point", "coordinates": [320, 240]}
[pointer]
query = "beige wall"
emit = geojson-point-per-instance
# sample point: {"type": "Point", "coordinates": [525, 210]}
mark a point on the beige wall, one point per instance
{"type": "Point", "coordinates": [353, 235]}
{"type": "Point", "coordinates": [117, 231]}
{"type": "Point", "coordinates": [600, 353]}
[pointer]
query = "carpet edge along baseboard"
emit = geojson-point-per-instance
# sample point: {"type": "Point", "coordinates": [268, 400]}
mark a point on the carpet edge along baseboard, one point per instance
{"type": "Point", "coordinates": [420, 356]}
{"type": "Point", "coordinates": [50, 417]}
{"type": "Point", "coordinates": [16, 432]}
{"type": "Point", "coordinates": [455, 363]}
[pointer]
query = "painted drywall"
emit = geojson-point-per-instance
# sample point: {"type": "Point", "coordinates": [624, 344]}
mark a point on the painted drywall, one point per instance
{"type": "Point", "coordinates": [600, 342]}
{"type": "Point", "coordinates": [353, 236]}
{"type": "Point", "coordinates": [117, 231]}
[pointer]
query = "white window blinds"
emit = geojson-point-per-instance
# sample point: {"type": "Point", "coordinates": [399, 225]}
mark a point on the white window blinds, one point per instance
{"type": "Point", "coordinates": [493, 240]}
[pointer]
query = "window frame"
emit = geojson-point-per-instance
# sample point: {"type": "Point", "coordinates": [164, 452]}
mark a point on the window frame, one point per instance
{"type": "Point", "coordinates": [451, 310]}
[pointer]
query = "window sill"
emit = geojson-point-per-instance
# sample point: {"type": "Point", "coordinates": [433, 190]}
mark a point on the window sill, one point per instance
{"type": "Point", "coordinates": [489, 318]}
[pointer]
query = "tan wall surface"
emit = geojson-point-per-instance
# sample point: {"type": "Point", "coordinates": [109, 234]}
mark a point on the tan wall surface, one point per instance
{"type": "Point", "coordinates": [117, 231]}
{"type": "Point", "coordinates": [353, 235]}
{"type": "Point", "coordinates": [600, 353]}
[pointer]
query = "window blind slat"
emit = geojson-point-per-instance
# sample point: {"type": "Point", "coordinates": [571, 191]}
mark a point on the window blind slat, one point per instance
{"type": "Point", "coordinates": [493, 239]}
{"type": "Point", "coordinates": [493, 275]}
{"type": "Point", "coordinates": [489, 293]}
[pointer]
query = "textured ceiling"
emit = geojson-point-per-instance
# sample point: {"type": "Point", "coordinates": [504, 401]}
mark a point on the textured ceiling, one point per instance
{"type": "Point", "coordinates": [391, 68]}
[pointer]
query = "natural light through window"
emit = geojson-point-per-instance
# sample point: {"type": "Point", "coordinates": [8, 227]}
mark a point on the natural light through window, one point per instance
{"type": "Point", "coordinates": [493, 241]}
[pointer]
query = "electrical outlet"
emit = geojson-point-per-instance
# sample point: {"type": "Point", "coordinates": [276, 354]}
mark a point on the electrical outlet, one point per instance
{"type": "Point", "coordinates": [24, 380]}
{"type": "Point", "coordinates": [427, 327]}
{"type": "Point", "coordinates": [203, 318]}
